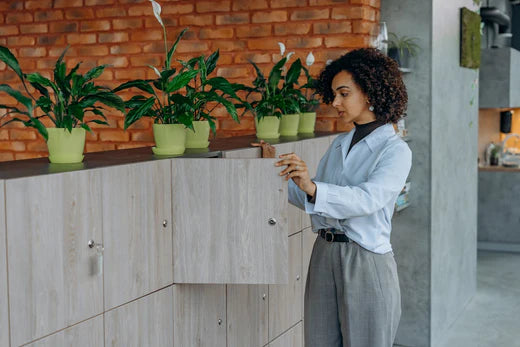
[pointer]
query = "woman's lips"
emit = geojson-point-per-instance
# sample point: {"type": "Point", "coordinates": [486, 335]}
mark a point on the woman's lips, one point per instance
{"type": "Point", "coordinates": [341, 113]}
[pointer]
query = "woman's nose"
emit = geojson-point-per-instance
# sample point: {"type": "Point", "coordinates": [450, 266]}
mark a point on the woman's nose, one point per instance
{"type": "Point", "coordinates": [335, 102]}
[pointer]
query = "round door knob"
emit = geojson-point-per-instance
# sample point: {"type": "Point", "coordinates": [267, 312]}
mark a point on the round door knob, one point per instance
{"type": "Point", "coordinates": [272, 221]}
{"type": "Point", "coordinates": [220, 321]}
{"type": "Point", "coordinates": [264, 296]}
{"type": "Point", "coordinates": [164, 223]}
{"type": "Point", "coordinates": [297, 277]}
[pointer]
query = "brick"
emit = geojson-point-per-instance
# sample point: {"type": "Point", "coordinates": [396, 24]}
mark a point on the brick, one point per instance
{"type": "Point", "coordinates": [130, 74]}
{"type": "Point", "coordinates": [27, 64]}
{"type": "Point", "coordinates": [8, 30]}
{"type": "Point", "coordinates": [110, 12]}
{"type": "Point", "coordinates": [33, 52]}
{"type": "Point", "coordinates": [232, 72]}
{"type": "Point", "coordinates": [363, 27]}
{"type": "Point", "coordinates": [95, 25]}
{"type": "Point", "coordinates": [51, 40]}
{"type": "Point", "coordinates": [145, 60]}
{"type": "Point", "coordinates": [292, 28]}
{"type": "Point", "coordinates": [263, 44]}
{"type": "Point", "coordinates": [37, 4]}
{"type": "Point", "coordinates": [304, 42]}
{"type": "Point", "coordinates": [75, 39]}
{"type": "Point", "coordinates": [33, 28]}
{"type": "Point", "coordinates": [196, 20]}
{"type": "Point", "coordinates": [332, 27]}
{"type": "Point", "coordinates": [63, 27]}
{"type": "Point", "coordinates": [79, 13]}
{"type": "Point", "coordinates": [327, 2]}
{"type": "Point", "coordinates": [142, 136]}
{"type": "Point", "coordinates": [113, 37]}
{"type": "Point", "coordinates": [268, 17]}
{"type": "Point", "coordinates": [37, 146]}
{"type": "Point", "coordinates": [325, 124]}
{"type": "Point", "coordinates": [244, 58]}
{"type": "Point", "coordinates": [148, 35]}
{"type": "Point", "coordinates": [228, 46]}
{"type": "Point", "coordinates": [133, 145]}
{"type": "Point", "coordinates": [19, 17]}
{"type": "Point", "coordinates": [153, 23]}
{"type": "Point", "coordinates": [310, 14]}
{"type": "Point", "coordinates": [192, 46]}
{"type": "Point", "coordinates": [99, 147]}
{"type": "Point", "coordinates": [6, 156]}
{"type": "Point", "coordinates": [99, 2]}
{"type": "Point", "coordinates": [67, 3]}
{"type": "Point", "coordinates": [254, 30]}
{"type": "Point", "coordinates": [285, 3]}
{"type": "Point", "coordinates": [241, 5]}
{"type": "Point", "coordinates": [4, 134]}
{"type": "Point", "coordinates": [347, 41]}
{"type": "Point", "coordinates": [29, 155]}
{"type": "Point", "coordinates": [86, 64]}
{"type": "Point", "coordinates": [107, 75]}
{"type": "Point", "coordinates": [44, 64]}
{"type": "Point", "coordinates": [222, 33]}
{"type": "Point", "coordinates": [22, 134]}
{"type": "Point", "coordinates": [20, 41]}
{"type": "Point", "coordinates": [326, 54]}
{"type": "Point", "coordinates": [91, 136]}
{"type": "Point", "coordinates": [373, 3]}
{"type": "Point", "coordinates": [225, 59]}
{"type": "Point", "coordinates": [86, 51]}
{"type": "Point", "coordinates": [114, 135]}
{"type": "Point", "coordinates": [16, 146]}
{"type": "Point", "coordinates": [230, 124]}
{"type": "Point", "coordinates": [114, 61]}
{"type": "Point", "coordinates": [235, 18]}
{"type": "Point", "coordinates": [132, 23]}
{"type": "Point", "coordinates": [174, 8]}
{"type": "Point", "coordinates": [213, 6]}
{"type": "Point", "coordinates": [154, 47]}
{"type": "Point", "coordinates": [48, 15]}
{"type": "Point", "coordinates": [127, 48]}
{"type": "Point", "coordinates": [357, 12]}
{"type": "Point", "coordinates": [141, 10]}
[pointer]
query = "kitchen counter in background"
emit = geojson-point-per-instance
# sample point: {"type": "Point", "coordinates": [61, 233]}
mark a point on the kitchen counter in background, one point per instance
{"type": "Point", "coordinates": [498, 208]}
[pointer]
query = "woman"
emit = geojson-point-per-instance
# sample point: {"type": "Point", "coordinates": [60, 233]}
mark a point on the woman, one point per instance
{"type": "Point", "coordinates": [352, 295]}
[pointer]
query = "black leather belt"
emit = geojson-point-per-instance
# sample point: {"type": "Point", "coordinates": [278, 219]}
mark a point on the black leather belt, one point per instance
{"type": "Point", "coordinates": [330, 235]}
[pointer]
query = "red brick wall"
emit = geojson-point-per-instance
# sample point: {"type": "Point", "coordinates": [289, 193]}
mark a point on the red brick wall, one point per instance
{"type": "Point", "coordinates": [125, 34]}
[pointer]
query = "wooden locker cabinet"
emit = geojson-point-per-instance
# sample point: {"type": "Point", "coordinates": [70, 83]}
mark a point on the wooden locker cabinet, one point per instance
{"type": "Point", "coordinates": [291, 338]}
{"type": "Point", "coordinates": [50, 220]}
{"type": "Point", "coordinates": [229, 221]}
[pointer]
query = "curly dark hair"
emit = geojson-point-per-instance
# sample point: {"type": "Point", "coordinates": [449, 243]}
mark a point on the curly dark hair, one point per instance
{"type": "Point", "coordinates": [377, 75]}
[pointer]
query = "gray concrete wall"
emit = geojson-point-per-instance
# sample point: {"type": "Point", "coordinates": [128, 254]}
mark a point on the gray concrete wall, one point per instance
{"type": "Point", "coordinates": [454, 171]}
{"type": "Point", "coordinates": [411, 227]}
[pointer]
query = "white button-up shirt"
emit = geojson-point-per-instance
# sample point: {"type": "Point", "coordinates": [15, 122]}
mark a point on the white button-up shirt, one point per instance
{"type": "Point", "coordinates": [356, 193]}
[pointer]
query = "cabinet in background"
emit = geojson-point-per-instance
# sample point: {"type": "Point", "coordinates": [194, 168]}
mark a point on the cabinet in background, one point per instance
{"type": "Point", "coordinates": [4, 319]}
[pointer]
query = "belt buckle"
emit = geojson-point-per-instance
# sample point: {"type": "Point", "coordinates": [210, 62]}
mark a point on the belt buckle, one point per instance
{"type": "Point", "coordinates": [327, 233]}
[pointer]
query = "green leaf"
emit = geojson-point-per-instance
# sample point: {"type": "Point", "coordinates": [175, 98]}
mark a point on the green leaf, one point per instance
{"type": "Point", "coordinates": [27, 102]}
{"type": "Point", "coordinates": [136, 113]}
{"type": "Point", "coordinates": [10, 60]}
{"type": "Point", "coordinates": [87, 128]}
{"type": "Point", "coordinates": [37, 78]}
{"type": "Point", "coordinates": [43, 91]}
{"type": "Point", "coordinates": [211, 62]}
{"type": "Point", "coordinates": [174, 47]}
{"type": "Point", "coordinates": [222, 84]}
{"type": "Point", "coordinates": [202, 70]}
{"type": "Point", "coordinates": [98, 121]}
{"type": "Point", "coordinates": [181, 80]}
{"type": "Point", "coordinates": [77, 111]}
{"type": "Point", "coordinates": [260, 79]}
{"type": "Point", "coordinates": [139, 84]}
{"type": "Point", "coordinates": [294, 72]}
{"type": "Point", "coordinates": [276, 74]}
{"type": "Point", "coordinates": [13, 109]}
{"type": "Point", "coordinates": [111, 99]}
{"type": "Point", "coordinates": [94, 73]}
{"type": "Point", "coordinates": [44, 103]}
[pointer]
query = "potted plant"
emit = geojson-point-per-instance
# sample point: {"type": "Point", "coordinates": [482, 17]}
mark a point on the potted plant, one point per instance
{"type": "Point", "coordinates": [65, 101]}
{"type": "Point", "coordinates": [201, 96]}
{"type": "Point", "coordinates": [274, 102]}
{"type": "Point", "coordinates": [309, 102]}
{"type": "Point", "coordinates": [401, 48]}
{"type": "Point", "coordinates": [169, 128]}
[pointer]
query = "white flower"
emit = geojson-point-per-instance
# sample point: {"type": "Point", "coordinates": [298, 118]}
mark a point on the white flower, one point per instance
{"type": "Point", "coordinates": [289, 55]}
{"type": "Point", "coordinates": [155, 70]}
{"type": "Point", "coordinates": [282, 46]}
{"type": "Point", "coordinates": [328, 62]}
{"type": "Point", "coordinates": [157, 11]}
{"type": "Point", "coordinates": [310, 59]}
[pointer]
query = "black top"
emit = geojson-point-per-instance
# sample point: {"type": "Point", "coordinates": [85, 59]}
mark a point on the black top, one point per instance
{"type": "Point", "coordinates": [363, 130]}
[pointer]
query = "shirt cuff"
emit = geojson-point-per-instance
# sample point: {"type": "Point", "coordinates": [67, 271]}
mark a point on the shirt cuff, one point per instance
{"type": "Point", "coordinates": [322, 191]}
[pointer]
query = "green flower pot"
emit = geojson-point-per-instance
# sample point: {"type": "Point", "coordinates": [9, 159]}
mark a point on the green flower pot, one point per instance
{"type": "Point", "coordinates": [170, 139]}
{"type": "Point", "coordinates": [267, 127]}
{"type": "Point", "coordinates": [289, 124]}
{"type": "Point", "coordinates": [307, 122]}
{"type": "Point", "coordinates": [66, 147]}
{"type": "Point", "coordinates": [199, 137]}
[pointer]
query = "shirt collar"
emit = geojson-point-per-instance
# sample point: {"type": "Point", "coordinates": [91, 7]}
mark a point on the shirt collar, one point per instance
{"type": "Point", "coordinates": [373, 139]}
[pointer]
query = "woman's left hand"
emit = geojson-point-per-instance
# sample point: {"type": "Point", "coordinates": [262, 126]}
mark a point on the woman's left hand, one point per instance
{"type": "Point", "coordinates": [297, 170]}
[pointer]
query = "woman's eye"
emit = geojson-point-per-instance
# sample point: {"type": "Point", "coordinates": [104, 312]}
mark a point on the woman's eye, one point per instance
{"type": "Point", "coordinates": [344, 94]}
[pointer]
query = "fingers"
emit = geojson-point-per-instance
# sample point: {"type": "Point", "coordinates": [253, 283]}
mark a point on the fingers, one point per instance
{"type": "Point", "coordinates": [294, 167]}
{"type": "Point", "coordinates": [258, 144]}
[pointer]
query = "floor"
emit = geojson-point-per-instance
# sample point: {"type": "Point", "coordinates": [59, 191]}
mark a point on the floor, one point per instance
{"type": "Point", "coordinates": [492, 317]}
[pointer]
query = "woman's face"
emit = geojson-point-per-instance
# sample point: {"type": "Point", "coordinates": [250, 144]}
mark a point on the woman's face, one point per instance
{"type": "Point", "coordinates": [350, 102]}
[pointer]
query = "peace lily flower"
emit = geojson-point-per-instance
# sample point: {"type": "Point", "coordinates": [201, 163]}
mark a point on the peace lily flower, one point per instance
{"type": "Point", "coordinates": [310, 59]}
{"type": "Point", "coordinates": [157, 12]}
{"type": "Point", "coordinates": [289, 55]}
{"type": "Point", "coordinates": [282, 46]}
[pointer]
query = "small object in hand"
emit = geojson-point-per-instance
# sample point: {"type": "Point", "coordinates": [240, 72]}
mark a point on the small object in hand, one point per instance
{"type": "Point", "coordinates": [268, 151]}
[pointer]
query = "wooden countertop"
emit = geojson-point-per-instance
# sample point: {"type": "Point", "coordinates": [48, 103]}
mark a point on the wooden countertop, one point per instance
{"type": "Point", "coordinates": [499, 168]}
{"type": "Point", "coordinates": [41, 166]}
